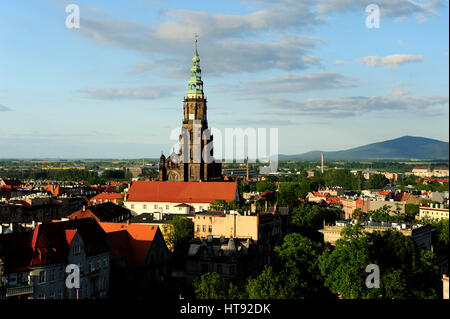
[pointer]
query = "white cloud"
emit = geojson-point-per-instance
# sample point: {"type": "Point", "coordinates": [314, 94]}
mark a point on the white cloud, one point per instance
{"type": "Point", "coordinates": [143, 93]}
{"type": "Point", "coordinates": [359, 105]}
{"type": "Point", "coordinates": [339, 62]}
{"type": "Point", "coordinates": [391, 60]}
{"type": "Point", "coordinates": [399, 9]}
{"type": "Point", "coordinates": [293, 83]}
{"type": "Point", "coordinates": [219, 55]}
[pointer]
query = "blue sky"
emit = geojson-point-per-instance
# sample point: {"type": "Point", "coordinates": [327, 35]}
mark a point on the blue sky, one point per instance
{"type": "Point", "coordinates": [311, 68]}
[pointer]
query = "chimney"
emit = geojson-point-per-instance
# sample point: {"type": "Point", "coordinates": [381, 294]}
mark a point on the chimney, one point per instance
{"type": "Point", "coordinates": [321, 167]}
{"type": "Point", "coordinates": [247, 168]}
{"type": "Point", "coordinates": [84, 208]}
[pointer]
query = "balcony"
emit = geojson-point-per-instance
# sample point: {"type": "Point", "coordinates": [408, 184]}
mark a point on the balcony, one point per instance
{"type": "Point", "coordinates": [19, 291]}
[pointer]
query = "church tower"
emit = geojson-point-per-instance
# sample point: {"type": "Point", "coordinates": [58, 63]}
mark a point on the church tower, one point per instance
{"type": "Point", "coordinates": [194, 161]}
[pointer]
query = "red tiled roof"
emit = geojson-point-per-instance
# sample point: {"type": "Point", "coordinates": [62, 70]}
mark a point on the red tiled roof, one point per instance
{"type": "Point", "coordinates": [333, 200]}
{"type": "Point", "coordinates": [106, 196]}
{"type": "Point", "coordinates": [83, 214]}
{"type": "Point", "coordinates": [55, 190]}
{"type": "Point", "coordinates": [401, 197]}
{"type": "Point", "coordinates": [181, 192]}
{"type": "Point", "coordinates": [384, 193]}
{"type": "Point", "coordinates": [130, 241]}
{"type": "Point", "coordinates": [320, 194]}
{"type": "Point", "coordinates": [49, 243]}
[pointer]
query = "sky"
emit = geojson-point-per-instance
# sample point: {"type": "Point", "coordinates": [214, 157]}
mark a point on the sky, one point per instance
{"type": "Point", "coordinates": [313, 69]}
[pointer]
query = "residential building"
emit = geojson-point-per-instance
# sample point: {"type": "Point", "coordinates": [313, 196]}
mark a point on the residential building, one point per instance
{"type": "Point", "coordinates": [421, 234]}
{"type": "Point", "coordinates": [35, 261]}
{"type": "Point", "coordinates": [421, 171]}
{"type": "Point", "coordinates": [105, 198]}
{"type": "Point", "coordinates": [440, 172]}
{"type": "Point", "coordinates": [161, 198]}
{"type": "Point", "coordinates": [232, 258]}
{"type": "Point", "coordinates": [107, 212]}
{"type": "Point", "coordinates": [349, 205]}
{"type": "Point", "coordinates": [317, 197]}
{"type": "Point", "coordinates": [139, 258]}
{"type": "Point", "coordinates": [434, 211]}
{"type": "Point", "coordinates": [36, 207]}
{"type": "Point", "coordinates": [232, 224]}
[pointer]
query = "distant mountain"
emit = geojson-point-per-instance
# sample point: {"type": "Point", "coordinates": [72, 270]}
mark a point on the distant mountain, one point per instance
{"type": "Point", "coordinates": [406, 147]}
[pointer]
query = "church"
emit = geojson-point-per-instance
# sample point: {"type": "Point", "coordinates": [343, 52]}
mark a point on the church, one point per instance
{"type": "Point", "coordinates": [195, 160]}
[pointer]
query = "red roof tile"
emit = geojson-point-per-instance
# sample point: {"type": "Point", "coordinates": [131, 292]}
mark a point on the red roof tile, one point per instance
{"type": "Point", "coordinates": [130, 241]}
{"type": "Point", "coordinates": [181, 192]}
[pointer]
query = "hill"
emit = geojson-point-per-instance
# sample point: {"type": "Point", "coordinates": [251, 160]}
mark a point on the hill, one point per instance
{"type": "Point", "coordinates": [405, 148]}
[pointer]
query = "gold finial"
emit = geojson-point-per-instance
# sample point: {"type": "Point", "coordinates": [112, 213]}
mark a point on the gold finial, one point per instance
{"type": "Point", "coordinates": [196, 38]}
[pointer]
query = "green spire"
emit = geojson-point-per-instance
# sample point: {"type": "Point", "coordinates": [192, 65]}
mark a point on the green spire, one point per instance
{"type": "Point", "coordinates": [195, 84]}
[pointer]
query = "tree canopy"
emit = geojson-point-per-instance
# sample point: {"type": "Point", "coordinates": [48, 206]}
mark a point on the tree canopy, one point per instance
{"type": "Point", "coordinates": [406, 271]}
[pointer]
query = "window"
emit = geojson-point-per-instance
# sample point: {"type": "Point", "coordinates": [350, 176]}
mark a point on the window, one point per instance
{"type": "Point", "coordinates": [145, 206]}
{"type": "Point", "coordinates": [155, 206]}
{"type": "Point", "coordinates": [76, 249]}
{"type": "Point", "coordinates": [210, 228]}
{"type": "Point", "coordinates": [167, 207]}
{"type": "Point", "coordinates": [51, 277]}
{"type": "Point", "coordinates": [204, 228]}
{"type": "Point", "coordinates": [42, 276]}
{"type": "Point", "coordinates": [132, 206]}
{"type": "Point", "coordinates": [198, 228]}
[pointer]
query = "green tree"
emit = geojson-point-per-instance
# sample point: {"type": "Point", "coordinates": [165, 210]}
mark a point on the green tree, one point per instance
{"type": "Point", "coordinates": [313, 216]}
{"type": "Point", "coordinates": [343, 178]}
{"type": "Point", "coordinates": [377, 181]}
{"type": "Point", "coordinates": [268, 285]}
{"type": "Point", "coordinates": [288, 194]}
{"type": "Point", "coordinates": [406, 271]}
{"type": "Point", "coordinates": [213, 286]}
{"type": "Point", "coordinates": [180, 231]}
{"type": "Point", "coordinates": [265, 186]}
{"type": "Point", "coordinates": [298, 256]}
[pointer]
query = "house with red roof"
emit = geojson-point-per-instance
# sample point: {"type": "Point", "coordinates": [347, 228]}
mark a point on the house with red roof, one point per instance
{"type": "Point", "coordinates": [107, 212]}
{"type": "Point", "coordinates": [105, 198]}
{"type": "Point", "coordinates": [139, 257]}
{"type": "Point", "coordinates": [406, 197]}
{"type": "Point", "coordinates": [317, 197]}
{"type": "Point", "coordinates": [35, 262]}
{"type": "Point", "coordinates": [160, 198]}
